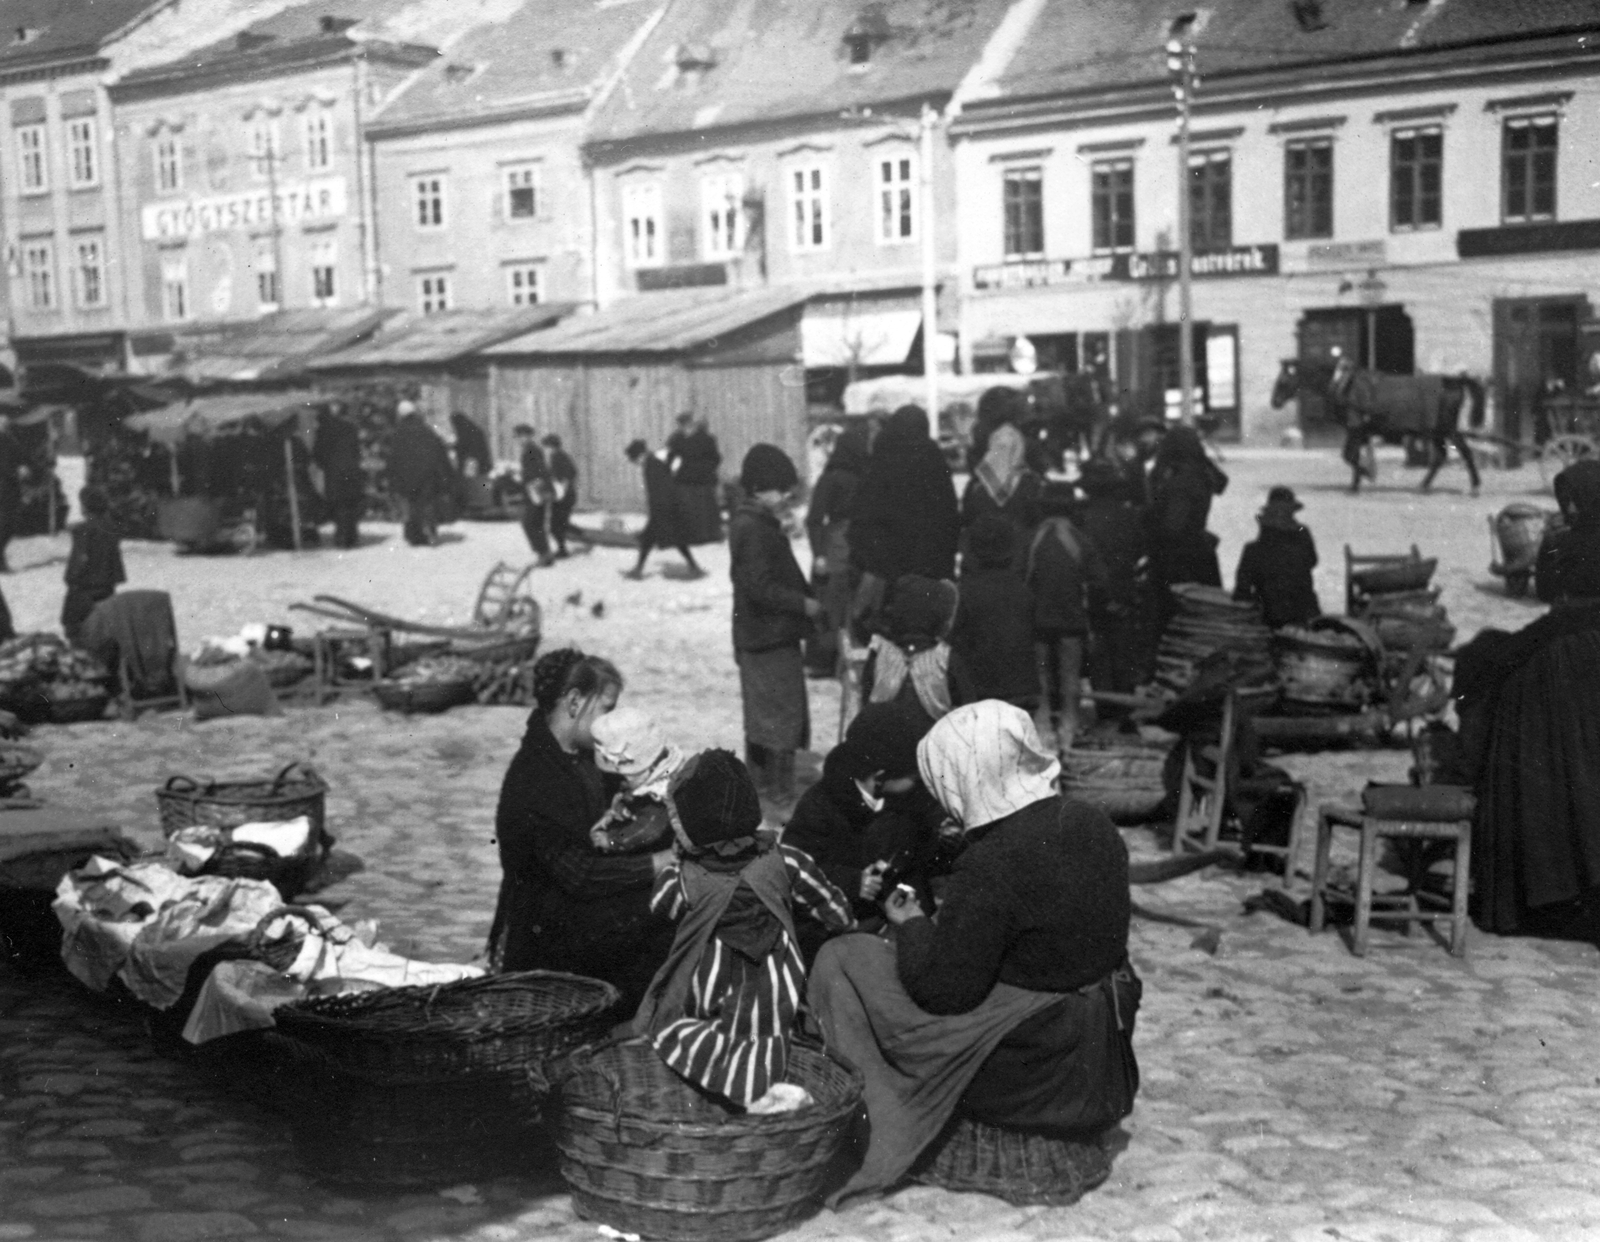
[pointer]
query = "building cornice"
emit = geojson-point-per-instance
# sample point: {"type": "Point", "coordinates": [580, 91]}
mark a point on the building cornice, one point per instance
{"type": "Point", "coordinates": [77, 65]}
{"type": "Point", "coordinates": [534, 108]}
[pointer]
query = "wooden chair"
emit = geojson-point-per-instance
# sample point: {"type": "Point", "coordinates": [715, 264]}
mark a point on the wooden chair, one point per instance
{"type": "Point", "coordinates": [1203, 799]}
{"type": "Point", "coordinates": [1289, 852]}
{"type": "Point", "coordinates": [129, 704]}
{"type": "Point", "coordinates": [852, 663]}
{"type": "Point", "coordinates": [1354, 563]}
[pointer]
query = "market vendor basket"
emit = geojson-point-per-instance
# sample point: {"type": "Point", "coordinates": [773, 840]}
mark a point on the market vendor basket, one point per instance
{"type": "Point", "coordinates": [295, 791]}
{"type": "Point", "coordinates": [79, 709]}
{"type": "Point", "coordinates": [645, 1153]}
{"type": "Point", "coordinates": [1022, 1167]}
{"type": "Point", "coordinates": [419, 696]}
{"type": "Point", "coordinates": [290, 874]}
{"type": "Point", "coordinates": [1123, 781]}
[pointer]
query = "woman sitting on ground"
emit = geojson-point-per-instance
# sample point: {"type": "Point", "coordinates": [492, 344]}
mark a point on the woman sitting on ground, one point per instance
{"type": "Point", "coordinates": [564, 904]}
{"type": "Point", "coordinates": [1026, 965]}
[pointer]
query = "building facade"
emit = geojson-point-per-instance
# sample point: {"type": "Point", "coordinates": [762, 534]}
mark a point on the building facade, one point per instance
{"type": "Point", "coordinates": [483, 199]}
{"type": "Point", "coordinates": [243, 181]}
{"type": "Point", "coordinates": [1426, 199]}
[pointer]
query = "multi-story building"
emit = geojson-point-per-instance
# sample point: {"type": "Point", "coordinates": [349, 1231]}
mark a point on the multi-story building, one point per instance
{"type": "Point", "coordinates": [779, 143]}
{"type": "Point", "coordinates": [1413, 181]}
{"type": "Point", "coordinates": [483, 201]}
{"type": "Point", "coordinates": [244, 186]}
{"type": "Point", "coordinates": [64, 241]}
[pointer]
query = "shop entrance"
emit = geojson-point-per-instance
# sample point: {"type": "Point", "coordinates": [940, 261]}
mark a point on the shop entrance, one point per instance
{"type": "Point", "coordinates": [1535, 348]}
{"type": "Point", "coordinates": [1377, 337]}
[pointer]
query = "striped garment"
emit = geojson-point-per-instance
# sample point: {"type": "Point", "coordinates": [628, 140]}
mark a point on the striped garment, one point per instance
{"type": "Point", "coordinates": [734, 1041]}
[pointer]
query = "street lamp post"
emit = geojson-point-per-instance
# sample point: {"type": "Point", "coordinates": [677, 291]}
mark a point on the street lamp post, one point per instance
{"type": "Point", "coordinates": [1180, 68]}
{"type": "Point", "coordinates": [930, 293]}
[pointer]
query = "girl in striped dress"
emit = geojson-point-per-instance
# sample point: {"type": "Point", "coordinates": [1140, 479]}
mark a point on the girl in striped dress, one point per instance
{"type": "Point", "coordinates": [721, 1009]}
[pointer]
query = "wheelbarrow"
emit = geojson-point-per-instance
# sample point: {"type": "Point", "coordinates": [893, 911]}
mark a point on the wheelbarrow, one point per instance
{"type": "Point", "coordinates": [1515, 534]}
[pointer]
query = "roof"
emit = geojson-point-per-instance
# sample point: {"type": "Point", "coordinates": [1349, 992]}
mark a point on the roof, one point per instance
{"type": "Point", "coordinates": [715, 63]}
{"type": "Point", "coordinates": [671, 322]}
{"type": "Point", "coordinates": [412, 339]}
{"type": "Point", "coordinates": [63, 29]}
{"type": "Point", "coordinates": [273, 347]}
{"type": "Point", "coordinates": [547, 54]}
{"type": "Point", "coordinates": [1088, 46]}
{"type": "Point", "coordinates": [209, 415]}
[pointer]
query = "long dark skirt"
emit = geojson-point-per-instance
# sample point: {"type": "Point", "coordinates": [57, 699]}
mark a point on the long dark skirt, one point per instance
{"type": "Point", "coordinates": [773, 687]}
{"type": "Point", "coordinates": [1536, 838]}
{"type": "Point", "coordinates": [700, 519]}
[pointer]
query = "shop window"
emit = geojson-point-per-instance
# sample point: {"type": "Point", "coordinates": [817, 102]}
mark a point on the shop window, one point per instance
{"type": "Point", "coordinates": [1211, 200]}
{"type": "Point", "coordinates": [39, 266]}
{"type": "Point", "coordinates": [169, 164]}
{"type": "Point", "coordinates": [808, 201]}
{"type": "Point", "coordinates": [1528, 168]}
{"type": "Point", "coordinates": [1308, 188]}
{"type": "Point", "coordinates": [89, 271]}
{"type": "Point", "coordinates": [641, 213]}
{"type": "Point", "coordinates": [1416, 173]}
{"type": "Point", "coordinates": [525, 284]}
{"type": "Point", "coordinates": [83, 154]}
{"type": "Point", "coordinates": [433, 293]}
{"type": "Point", "coordinates": [1023, 203]}
{"type": "Point", "coordinates": [722, 215]}
{"type": "Point", "coordinates": [1111, 194]}
{"type": "Point", "coordinates": [522, 192]}
{"type": "Point", "coordinates": [897, 199]}
{"type": "Point", "coordinates": [33, 168]}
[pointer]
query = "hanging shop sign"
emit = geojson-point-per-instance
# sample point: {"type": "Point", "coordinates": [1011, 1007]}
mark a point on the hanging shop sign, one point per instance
{"type": "Point", "coordinates": [1259, 260]}
{"type": "Point", "coordinates": [293, 202]}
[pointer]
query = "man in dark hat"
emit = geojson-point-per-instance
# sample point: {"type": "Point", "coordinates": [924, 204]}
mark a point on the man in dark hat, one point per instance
{"type": "Point", "coordinates": [564, 490]}
{"type": "Point", "coordinates": [1122, 612]}
{"type": "Point", "coordinates": [663, 526]}
{"type": "Point", "coordinates": [535, 492]}
{"type": "Point", "coordinates": [1275, 568]}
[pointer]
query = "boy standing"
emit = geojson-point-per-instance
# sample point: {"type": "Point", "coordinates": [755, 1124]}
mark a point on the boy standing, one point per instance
{"type": "Point", "coordinates": [94, 566]}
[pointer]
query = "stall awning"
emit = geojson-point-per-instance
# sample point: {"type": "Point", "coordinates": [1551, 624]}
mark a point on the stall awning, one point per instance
{"type": "Point", "coordinates": [273, 347]}
{"type": "Point", "coordinates": [870, 333]}
{"type": "Point", "coordinates": [210, 415]}
{"type": "Point", "coordinates": [670, 322]}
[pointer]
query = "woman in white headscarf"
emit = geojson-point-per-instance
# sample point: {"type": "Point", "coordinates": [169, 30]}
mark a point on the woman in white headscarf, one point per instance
{"type": "Point", "coordinates": [1013, 1006]}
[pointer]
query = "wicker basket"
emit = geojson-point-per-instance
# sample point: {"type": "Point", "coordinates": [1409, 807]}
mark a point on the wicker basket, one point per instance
{"type": "Point", "coordinates": [295, 791]}
{"type": "Point", "coordinates": [1123, 781]}
{"type": "Point", "coordinates": [1398, 575]}
{"type": "Point", "coordinates": [245, 860]}
{"type": "Point", "coordinates": [643, 1152]}
{"type": "Point", "coordinates": [16, 761]}
{"type": "Point", "coordinates": [422, 696]}
{"type": "Point", "coordinates": [78, 711]}
{"type": "Point", "coordinates": [1021, 1167]}
{"type": "Point", "coordinates": [508, 1022]}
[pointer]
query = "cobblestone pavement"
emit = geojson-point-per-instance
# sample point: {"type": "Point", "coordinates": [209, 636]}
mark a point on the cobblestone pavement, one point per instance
{"type": "Point", "coordinates": [1290, 1089]}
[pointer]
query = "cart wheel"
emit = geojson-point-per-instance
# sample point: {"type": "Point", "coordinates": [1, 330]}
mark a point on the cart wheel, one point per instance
{"type": "Point", "coordinates": [1562, 451]}
{"type": "Point", "coordinates": [1517, 584]}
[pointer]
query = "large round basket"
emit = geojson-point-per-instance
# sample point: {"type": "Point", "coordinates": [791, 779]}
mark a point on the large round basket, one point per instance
{"type": "Point", "coordinates": [1021, 1167]}
{"type": "Point", "coordinates": [422, 696]}
{"type": "Point", "coordinates": [508, 1022]}
{"type": "Point", "coordinates": [1123, 781]}
{"type": "Point", "coordinates": [1399, 575]}
{"type": "Point", "coordinates": [78, 710]}
{"type": "Point", "coordinates": [295, 791]}
{"type": "Point", "coordinates": [645, 1153]}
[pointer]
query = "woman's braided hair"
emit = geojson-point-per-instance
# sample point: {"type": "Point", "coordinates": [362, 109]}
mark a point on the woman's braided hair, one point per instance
{"type": "Point", "coordinates": [557, 673]}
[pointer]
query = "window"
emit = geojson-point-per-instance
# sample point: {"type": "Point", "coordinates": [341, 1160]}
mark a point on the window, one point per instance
{"type": "Point", "coordinates": [33, 172]}
{"type": "Point", "coordinates": [808, 194]}
{"type": "Point", "coordinates": [1211, 200]}
{"type": "Point", "coordinates": [1528, 165]}
{"type": "Point", "coordinates": [433, 293]}
{"type": "Point", "coordinates": [324, 265]}
{"type": "Point", "coordinates": [89, 271]}
{"type": "Point", "coordinates": [1023, 202]}
{"type": "Point", "coordinates": [264, 148]}
{"type": "Point", "coordinates": [39, 265]}
{"type": "Point", "coordinates": [169, 164]}
{"type": "Point", "coordinates": [319, 139]}
{"type": "Point", "coordinates": [268, 292]}
{"type": "Point", "coordinates": [524, 283]}
{"type": "Point", "coordinates": [722, 214]}
{"type": "Point", "coordinates": [1111, 202]}
{"type": "Point", "coordinates": [897, 199]}
{"type": "Point", "coordinates": [641, 215]}
{"type": "Point", "coordinates": [1416, 171]}
{"type": "Point", "coordinates": [83, 157]}
{"type": "Point", "coordinates": [175, 286]}
{"type": "Point", "coordinates": [428, 193]}
{"type": "Point", "coordinates": [522, 192]}
{"type": "Point", "coordinates": [1308, 188]}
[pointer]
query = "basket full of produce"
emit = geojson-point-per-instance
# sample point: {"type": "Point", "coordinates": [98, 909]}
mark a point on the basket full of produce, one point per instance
{"type": "Point", "coordinates": [42, 678]}
{"type": "Point", "coordinates": [434, 683]}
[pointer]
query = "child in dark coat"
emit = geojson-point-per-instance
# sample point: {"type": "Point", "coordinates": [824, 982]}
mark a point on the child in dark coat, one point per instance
{"type": "Point", "coordinates": [1275, 568]}
{"type": "Point", "coordinates": [993, 632]}
{"type": "Point", "coordinates": [1063, 569]}
{"type": "Point", "coordinates": [94, 565]}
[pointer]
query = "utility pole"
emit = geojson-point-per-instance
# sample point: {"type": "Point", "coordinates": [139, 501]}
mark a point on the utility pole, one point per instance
{"type": "Point", "coordinates": [1180, 69]}
{"type": "Point", "coordinates": [930, 292]}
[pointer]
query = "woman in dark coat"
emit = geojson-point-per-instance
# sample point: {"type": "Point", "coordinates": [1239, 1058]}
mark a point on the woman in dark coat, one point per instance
{"type": "Point", "coordinates": [694, 457]}
{"type": "Point", "coordinates": [833, 578]}
{"type": "Point", "coordinates": [1015, 1007]}
{"type": "Point", "coordinates": [1003, 484]}
{"type": "Point", "coordinates": [1275, 567]}
{"type": "Point", "coordinates": [337, 452]}
{"type": "Point", "coordinates": [1183, 482]}
{"type": "Point", "coordinates": [905, 519]}
{"type": "Point", "coordinates": [1530, 730]}
{"type": "Point", "coordinates": [663, 512]}
{"type": "Point", "coordinates": [563, 904]}
{"type": "Point", "coordinates": [420, 474]}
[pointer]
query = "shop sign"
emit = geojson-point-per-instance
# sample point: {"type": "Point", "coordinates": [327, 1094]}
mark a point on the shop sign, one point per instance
{"type": "Point", "coordinates": [1337, 255]}
{"type": "Point", "coordinates": [1152, 265]}
{"type": "Point", "coordinates": [295, 202]}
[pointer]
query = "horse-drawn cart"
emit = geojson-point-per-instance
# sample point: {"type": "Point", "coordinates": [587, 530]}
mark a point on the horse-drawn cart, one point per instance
{"type": "Point", "coordinates": [1574, 434]}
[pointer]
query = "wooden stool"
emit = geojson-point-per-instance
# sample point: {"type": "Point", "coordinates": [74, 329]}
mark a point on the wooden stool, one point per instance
{"type": "Point", "coordinates": [1373, 831]}
{"type": "Point", "coordinates": [325, 653]}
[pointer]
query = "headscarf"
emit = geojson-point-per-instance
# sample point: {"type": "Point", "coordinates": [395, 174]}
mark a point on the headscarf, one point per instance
{"type": "Point", "coordinates": [1003, 463]}
{"type": "Point", "coordinates": [984, 762]}
{"type": "Point", "coordinates": [904, 513]}
{"type": "Point", "coordinates": [628, 743]}
{"type": "Point", "coordinates": [882, 738]}
{"type": "Point", "coordinates": [713, 802]}
{"type": "Point", "coordinates": [1180, 447]}
{"type": "Point", "coordinates": [849, 452]}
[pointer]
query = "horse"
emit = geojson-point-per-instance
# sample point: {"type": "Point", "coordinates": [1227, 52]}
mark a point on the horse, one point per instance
{"type": "Point", "coordinates": [1390, 407]}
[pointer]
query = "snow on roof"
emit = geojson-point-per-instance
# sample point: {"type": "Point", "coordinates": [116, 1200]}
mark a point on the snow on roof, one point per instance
{"type": "Point", "coordinates": [412, 339]}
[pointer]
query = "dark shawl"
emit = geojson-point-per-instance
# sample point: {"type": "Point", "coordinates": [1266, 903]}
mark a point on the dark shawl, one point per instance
{"type": "Point", "coordinates": [419, 463]}
{"type": "Point", "coordinates": [905, 518]}
{"type": "Point", "coordinates": [471, 445]}
{"type": "Point", "coordinates": [337, 452]}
